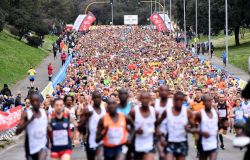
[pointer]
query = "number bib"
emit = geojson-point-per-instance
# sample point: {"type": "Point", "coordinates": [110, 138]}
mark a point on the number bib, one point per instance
{"type": "Point", "coordinates": [115, 135]}
{"type": "Point", "coordinates": [239, 115]}
{"type": "Point", "coordinates": [60, 138]}
{"type": "Point", "coordinates": [222, 113]}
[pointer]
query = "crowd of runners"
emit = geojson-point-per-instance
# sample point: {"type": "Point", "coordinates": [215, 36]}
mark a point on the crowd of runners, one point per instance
{"type": "Point", "coordinates": [133, 93]}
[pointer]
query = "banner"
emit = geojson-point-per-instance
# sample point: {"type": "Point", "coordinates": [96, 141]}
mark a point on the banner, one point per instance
{"type": "Point", "coordinates": [10, 118]}
{"type": "Point", "coordinates": [59, 78]}
{"type": "Point", "coordinates": [87, 22]}
{"type": "Point", "coordinates": [48, 90]}
{"type": "Point", "coordinates": [158, 22]}
{"type": "Point", "coordinates": [78, 21]}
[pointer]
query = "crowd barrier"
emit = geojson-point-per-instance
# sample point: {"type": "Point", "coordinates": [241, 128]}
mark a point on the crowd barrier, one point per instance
{"type": "Point", "coordinates": [8, 122]}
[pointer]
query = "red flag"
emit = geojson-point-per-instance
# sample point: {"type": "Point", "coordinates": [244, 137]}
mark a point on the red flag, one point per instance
{"type": "Point", "coordinates": [87, 22]}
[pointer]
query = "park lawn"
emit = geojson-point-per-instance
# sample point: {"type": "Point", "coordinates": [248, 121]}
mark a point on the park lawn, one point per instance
{"type": "Point", "coordinates": [16, 57]}
{"type": "Point", "coordinates": [238, 56]}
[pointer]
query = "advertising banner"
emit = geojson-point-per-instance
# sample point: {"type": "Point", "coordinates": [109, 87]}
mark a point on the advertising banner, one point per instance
{"type": "Point", "coordinates": [10, 118]}
{"type": "Point", "coordinates": [87, 22]}
{"type": "Point", "coordinates": [158, 22]}
{"type": "Point", "coordinates": [78, 21]}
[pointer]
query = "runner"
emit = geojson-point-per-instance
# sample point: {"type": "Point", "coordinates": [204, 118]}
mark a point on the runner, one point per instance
{"type": "Point", "coordinates": [224, 112]}
{"type": "Point", "coordinates": [32, 73]}
{"type": "Point", "coordinates": [69, 103]}
{"type": "Point", "coordinates": [115, 130]}
{"type": "Point", "coordinates": [60, 132]}
{"type": "Point", "coordinates": [35, 123]}
{"type": "Point", "coordinates": [179, 123]}
{"type": "Point", "coordinates": [161, 105]}
{"type": "Point", "coordinates": [208, 121]}
{"type": "Point", "coordinates": [124, 106]}
{"type": "Point", "coordinates": [238, 112]}
{"type": "Point", "coordinates": [89, 119]}
{"type": "Point", "coordinates": [145, 119]}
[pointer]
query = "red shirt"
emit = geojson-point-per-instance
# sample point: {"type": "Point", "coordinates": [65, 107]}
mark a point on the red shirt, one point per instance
{"type": "Point", "coordinates": [64, 56]}
{"type": "Point", "coordinates": [50, 69]}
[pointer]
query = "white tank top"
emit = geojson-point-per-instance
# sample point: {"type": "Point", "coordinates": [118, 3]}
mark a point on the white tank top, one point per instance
{"type": "Point", "coordinates": [37, 131]}
{"type": "Point", "coordinates": [176, 125]}
{"type": "Point", "coordinates": [72, 113]}
{"type": "Point", "coordinates": [209, 125]}
{"type": "Point", "coordinates": [92, 125]}
{"type": "Point", "coordinates": [144, 142]}
{"type": "Point", "coordinates": [159, 109]}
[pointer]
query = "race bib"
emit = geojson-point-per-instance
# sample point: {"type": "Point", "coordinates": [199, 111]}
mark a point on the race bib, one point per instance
{"type": "Point", "coordinates": [222, 112]}
{"type": "Point", "coordinates": [239, 114]}
{"type": "Point", "coordinates": [60, 138]}
{"type": "Point", "coordinates": [115, 135]}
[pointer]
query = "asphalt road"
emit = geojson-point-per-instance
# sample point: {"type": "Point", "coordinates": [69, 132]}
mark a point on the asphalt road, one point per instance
{"type": "Point", "coordinates": [16, 152]}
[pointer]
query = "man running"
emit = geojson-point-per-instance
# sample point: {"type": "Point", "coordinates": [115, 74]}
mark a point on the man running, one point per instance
{"type": "Point", "coordinates": [90, 118]}
{"type": "Point", "coordinates": [161, 105]}
{"type": "Point", "coordinates": [124, 106]}
{"type": "Point", "coordinates": [35, 123]}
{"type": "Point", "coordinates": [208, 132]}
{"type": "Point", "coordinates": [145, 118]}
{"type": "Point", "coordinates": [32, 73]}
{"type": "Point", "coordinates": [115, 130]}
{"type": "Point", "coordinates": [179, 122]}
{"type": "Point", "coordinates": [69, 103]}
{"type": "Point", "coordinates": [224, 112]}
{"type": "Point", "coordinates": [60, 133]}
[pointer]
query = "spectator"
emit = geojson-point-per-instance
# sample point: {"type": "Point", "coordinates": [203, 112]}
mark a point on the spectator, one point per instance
{"type": "Point", "coordinates": [224, 58]}
{"type": "Point", "coordinates": [50, 71]}
{"type": "Point", "coordinates": [63, 57]}
{"type": "Point", "coordinates": [55, 49]}
{"type": "Point", "coordinates": [18, 100]}
{"type": "Point", "coordinates": [6, 91]}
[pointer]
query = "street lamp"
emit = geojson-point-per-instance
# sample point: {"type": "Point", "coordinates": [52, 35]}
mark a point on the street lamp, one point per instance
{"type": "Point", "coordinates": [196, 24]}
{"type": "Point", "coordinates": [170, 15]}
{"type": "Point", "coordinates": [185, 32]}
{"type": "Point", "coordinates": [209, 28]}
{"type": "Point", "coordinates": [112, 11]}
{"type": "Point", "coordinates": [226, 17]}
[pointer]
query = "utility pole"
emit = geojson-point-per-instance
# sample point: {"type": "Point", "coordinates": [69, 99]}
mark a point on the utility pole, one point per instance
{"type": "Point", "coordinates": [112, 11]}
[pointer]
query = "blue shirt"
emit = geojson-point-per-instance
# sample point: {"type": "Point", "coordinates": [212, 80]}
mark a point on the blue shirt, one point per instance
{"type": "Point", "coordinates": [125, 110]}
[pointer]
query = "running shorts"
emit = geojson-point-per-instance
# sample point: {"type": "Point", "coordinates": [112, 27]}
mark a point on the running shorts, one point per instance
{"type": "Point", "coordinates": [177, 148]}
{"type": "Point", "coordinates": [32, 78]}
{"type": "Point", "coordinates": [60, 153]}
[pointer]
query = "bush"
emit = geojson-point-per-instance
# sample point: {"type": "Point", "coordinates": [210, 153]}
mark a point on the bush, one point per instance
{"type": "Point", "coordinates": [34, 41]}
{"type": "Point", "coordinates": [14, 31]}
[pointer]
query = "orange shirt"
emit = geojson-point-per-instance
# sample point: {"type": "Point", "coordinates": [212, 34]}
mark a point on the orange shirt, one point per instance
{"type": "Point", "coordinates": [197, 106]}
{"type": "Point", "coordinates": [117, 131]}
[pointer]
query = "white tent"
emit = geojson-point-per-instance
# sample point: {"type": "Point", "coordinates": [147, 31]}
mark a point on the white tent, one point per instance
{"type": "Point", "coordinates": [167, 21]}
{"type": "Point", "coordinates": [78, 21]}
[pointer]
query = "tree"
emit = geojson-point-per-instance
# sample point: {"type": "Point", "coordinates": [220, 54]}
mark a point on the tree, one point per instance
{"type": "Point", "coordinates": [2, 19]}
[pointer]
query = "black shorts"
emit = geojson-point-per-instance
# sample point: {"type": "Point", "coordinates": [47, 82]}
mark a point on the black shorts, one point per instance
{"type": "Point", "coordinates": [33, 156]}
{"type": "Point", "coordinates": [140, 155]}
{"type": "Point", "coordinates": [177, 149]}
{"type": "Point", "coordinates": [221, 123]}
{"type": "Point", "coordinates": [207, 153]}
{"type": "Point", "coordinates": [111, 153]}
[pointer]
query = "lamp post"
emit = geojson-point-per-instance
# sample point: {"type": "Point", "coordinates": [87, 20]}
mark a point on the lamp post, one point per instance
{"type": "Point", "coordinates": [112, 12]}
{"type": "Point", "coordinates": [226, 16]}
{"type": "Point", "coordinates": [170, 15]}
{"type": "Point", "coordinates": [196, 24]}
{"type": "Point", "coordinates": [209, 28]}
{"type": "Point", "coordinates": [185, 32]}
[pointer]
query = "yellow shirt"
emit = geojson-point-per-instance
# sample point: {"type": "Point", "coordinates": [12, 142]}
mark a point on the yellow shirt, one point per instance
{"type": "Point", "coordinates": [32, 72]}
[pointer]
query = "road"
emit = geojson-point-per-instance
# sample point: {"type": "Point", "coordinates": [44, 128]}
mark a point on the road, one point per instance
{"type": "Point", "coordinates": [16, 152]}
